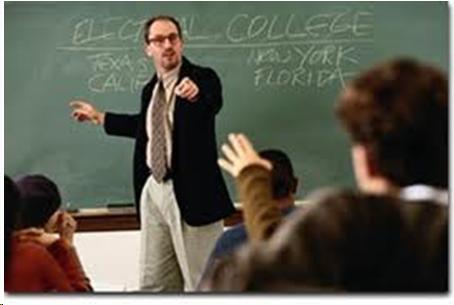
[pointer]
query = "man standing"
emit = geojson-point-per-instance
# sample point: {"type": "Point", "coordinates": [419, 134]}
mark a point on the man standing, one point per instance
{"type": "Point", "coordinates": [180, 194]}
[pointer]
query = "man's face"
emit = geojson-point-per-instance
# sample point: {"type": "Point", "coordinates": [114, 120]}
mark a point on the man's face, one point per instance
{"type": "Point", "coordinates": [165, 45]}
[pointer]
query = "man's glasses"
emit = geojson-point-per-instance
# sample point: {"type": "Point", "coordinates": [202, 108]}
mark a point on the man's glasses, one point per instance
{"type": "Point", "coordinates": [160, 40]}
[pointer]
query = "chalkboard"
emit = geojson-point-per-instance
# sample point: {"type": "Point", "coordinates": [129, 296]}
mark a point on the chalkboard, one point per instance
{"type": "Point", "coordinates": [282, 65]}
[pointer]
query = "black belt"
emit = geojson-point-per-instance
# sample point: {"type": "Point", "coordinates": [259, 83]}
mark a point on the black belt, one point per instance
{"type": "Point", "coordinates": [168, 176]}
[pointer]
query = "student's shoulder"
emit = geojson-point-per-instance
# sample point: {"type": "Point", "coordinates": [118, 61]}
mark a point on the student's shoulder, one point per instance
{"type": "Point", "coordinates": [29, 255]}
{"type": "Point", "coordinates": [230, 239]}
{"type": "Point", "coordinates": [237, 231]}
{"type": "Point", "coordinates": [29, 248]}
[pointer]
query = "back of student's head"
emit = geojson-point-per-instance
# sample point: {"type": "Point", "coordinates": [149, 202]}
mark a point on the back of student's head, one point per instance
{"type": "Point", "coordinates": [12, 209]}
{"type": "Point", "coordinates": [41, 198]}
{"type": "Point", "coordinates": [365, 243]}
{"type": "Point", "coordinates": [350, 241]}
{"type": "Point", "coordinates": [283, 179]}
{"type": "Point", "coordinates": [399, 112]}
{"type": "Point", "coordinates": [347, 242]}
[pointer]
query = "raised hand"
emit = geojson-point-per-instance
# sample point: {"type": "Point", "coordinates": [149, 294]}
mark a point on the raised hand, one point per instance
{"type": "Point", "coordinates": [239, 154]}
{"type": "Point", "coordinates": [66, 226]}
{"type": "Point", "coordinates": [84, 111]}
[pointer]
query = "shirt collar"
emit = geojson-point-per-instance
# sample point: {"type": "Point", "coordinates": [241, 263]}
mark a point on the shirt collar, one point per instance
{"type": "Point", "coordinates": [169, 77]}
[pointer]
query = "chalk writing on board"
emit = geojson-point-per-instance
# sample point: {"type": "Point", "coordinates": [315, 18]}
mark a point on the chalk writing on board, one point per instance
{"type": "Point", "coordinates": [311, 51]}
{"type": "Point", "coordinates": [246, 27]}
{"type": "Point", "coordinates": [308, 55]}
{"type": "Point", "coordinates": [303, 66]}
{"type": "Point", "coordinates": [90, 30]}
{"type": "Point", "coordinates": [117, 72]}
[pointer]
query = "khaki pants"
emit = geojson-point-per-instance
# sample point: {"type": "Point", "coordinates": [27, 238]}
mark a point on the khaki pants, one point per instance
{"type": "Point", "coordinates": [173, 254]}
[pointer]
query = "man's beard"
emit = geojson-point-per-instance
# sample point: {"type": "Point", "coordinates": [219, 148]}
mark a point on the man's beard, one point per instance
{"type": "Point", "coordinates": [170, 63]}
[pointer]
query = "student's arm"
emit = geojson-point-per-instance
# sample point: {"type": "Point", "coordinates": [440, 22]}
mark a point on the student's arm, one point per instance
{"type": "Point", "coordinates": [253, 173]}
{"type": "Point", "coordinates": [261, 214]}
{"type": "Point", "coordinates": [56, 259]}
{"type": "Point", "coordinates": [52, 276]}
{"type": "Point", "coordinates": [66, 256]}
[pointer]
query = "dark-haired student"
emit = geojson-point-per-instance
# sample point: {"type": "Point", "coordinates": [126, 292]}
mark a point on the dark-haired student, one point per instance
{"type": "Point", "coordinates": [397, 117]}
{"type": "Point", "coordinates": [41, 207]}
{"type": "Point", "coordinates": [284, 185]}
{"type": "Point", "coordinates": [37, 261]}
{"type": "Point", "coordinates": [345, 242]}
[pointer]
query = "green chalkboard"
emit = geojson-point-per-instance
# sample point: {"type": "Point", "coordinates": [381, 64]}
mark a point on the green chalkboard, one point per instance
{"type": "Point", "coordinates": [282, 65]}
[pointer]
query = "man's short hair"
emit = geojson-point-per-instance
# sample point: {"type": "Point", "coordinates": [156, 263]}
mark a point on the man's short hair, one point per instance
{"type": "Point", "coordinates": [149, 22]}
{"type": "Point", "coordinates": [283, 179]}
{"type": "Point", "coordinates": [399, 112]}
{"type": "Point", "coordinates": [40, 199]}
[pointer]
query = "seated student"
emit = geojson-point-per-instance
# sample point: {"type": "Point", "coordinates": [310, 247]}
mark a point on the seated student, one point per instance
{"type": "Point", "coordinates": [284, 186]}
{"type": "Point", "coordinates": [397, 116]}
{"type": "Point", "coordinates": [37, 261]}
{"type": "Point", "coordinates": [346, 242]}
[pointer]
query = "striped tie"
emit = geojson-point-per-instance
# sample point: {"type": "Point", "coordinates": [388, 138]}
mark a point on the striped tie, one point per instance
{"type": "Point", "coordinates": [158, 138]}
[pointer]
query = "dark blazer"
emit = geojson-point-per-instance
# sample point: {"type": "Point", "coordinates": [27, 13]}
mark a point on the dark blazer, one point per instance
{"type": "Point", "coordinates": [200, 189]}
